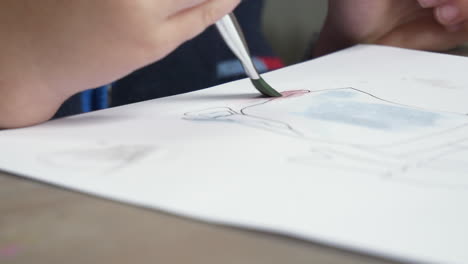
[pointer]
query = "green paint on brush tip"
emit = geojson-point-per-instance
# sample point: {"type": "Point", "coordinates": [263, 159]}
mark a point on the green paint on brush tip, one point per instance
{"type": "Point", "coordinates": [264, 88]}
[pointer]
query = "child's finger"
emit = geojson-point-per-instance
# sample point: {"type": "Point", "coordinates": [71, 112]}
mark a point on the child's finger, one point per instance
{"type": "Point", "coordinates": [175, 6]}
{"type": "Point", "coordinates": [426, 34]}
{"type": "Point", "coordinates": [431, 3]}
{"type": "Point", "coordinates": [189, 23]}
{"type": "Point", "coordinates": [452, 12]}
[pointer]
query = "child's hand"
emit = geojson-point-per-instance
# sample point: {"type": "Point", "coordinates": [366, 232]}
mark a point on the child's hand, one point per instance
{"type": "Point", "coordinates": [403, 23]}
{"type": "Point", "coordinates": [52, 49]}
{"type": "Point", "coordinates": [451, 13]}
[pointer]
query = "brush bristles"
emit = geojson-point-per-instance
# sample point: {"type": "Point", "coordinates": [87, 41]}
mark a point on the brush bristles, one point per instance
{"type": "Point", "coordinates": [263, 87]}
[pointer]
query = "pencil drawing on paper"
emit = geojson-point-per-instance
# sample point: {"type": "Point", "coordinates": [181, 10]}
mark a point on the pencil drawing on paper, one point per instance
{"type": "Point", "coordinates": [103, 158]}
{"type": "Point", "coordinates": [349, 129]}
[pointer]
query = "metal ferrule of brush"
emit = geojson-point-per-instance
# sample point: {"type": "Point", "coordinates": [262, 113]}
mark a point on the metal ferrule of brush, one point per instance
{"type": "Point", "coordinates": [230, 30]}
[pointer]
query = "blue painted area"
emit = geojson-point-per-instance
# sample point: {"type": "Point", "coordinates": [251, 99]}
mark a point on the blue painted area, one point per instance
{"type": "Point", "coordinates": [355, 108]}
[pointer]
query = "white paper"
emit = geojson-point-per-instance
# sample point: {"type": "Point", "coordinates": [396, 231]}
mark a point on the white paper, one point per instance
{"type": "Point", "coordinates": [368, 151]}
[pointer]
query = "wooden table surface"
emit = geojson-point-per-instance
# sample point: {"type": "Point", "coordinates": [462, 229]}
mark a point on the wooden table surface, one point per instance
{"type": "Point", "coordinates": [45, 224]}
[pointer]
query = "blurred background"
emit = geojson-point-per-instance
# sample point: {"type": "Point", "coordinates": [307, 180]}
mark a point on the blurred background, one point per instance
{"type": "Point", "coordinates": [292, 25]}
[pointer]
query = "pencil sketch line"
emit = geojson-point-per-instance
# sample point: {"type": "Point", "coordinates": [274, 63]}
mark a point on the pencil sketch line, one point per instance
{"type": "Point", "coordinates": [390, 160]}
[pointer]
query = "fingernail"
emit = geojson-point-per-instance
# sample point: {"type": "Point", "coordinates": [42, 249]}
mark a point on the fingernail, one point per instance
{"type": "Point", "coordinates": [429, 3]}
{"type": "Point", "coordinates": [448, 14]}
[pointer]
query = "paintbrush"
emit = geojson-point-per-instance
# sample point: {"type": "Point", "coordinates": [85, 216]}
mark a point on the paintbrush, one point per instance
{"type": "Point", "coordinates": [231, 32]}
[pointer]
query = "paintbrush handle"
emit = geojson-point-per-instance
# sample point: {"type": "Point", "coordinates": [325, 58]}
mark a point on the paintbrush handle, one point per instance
{"type": "Point", "coordinates": [232, 34]}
